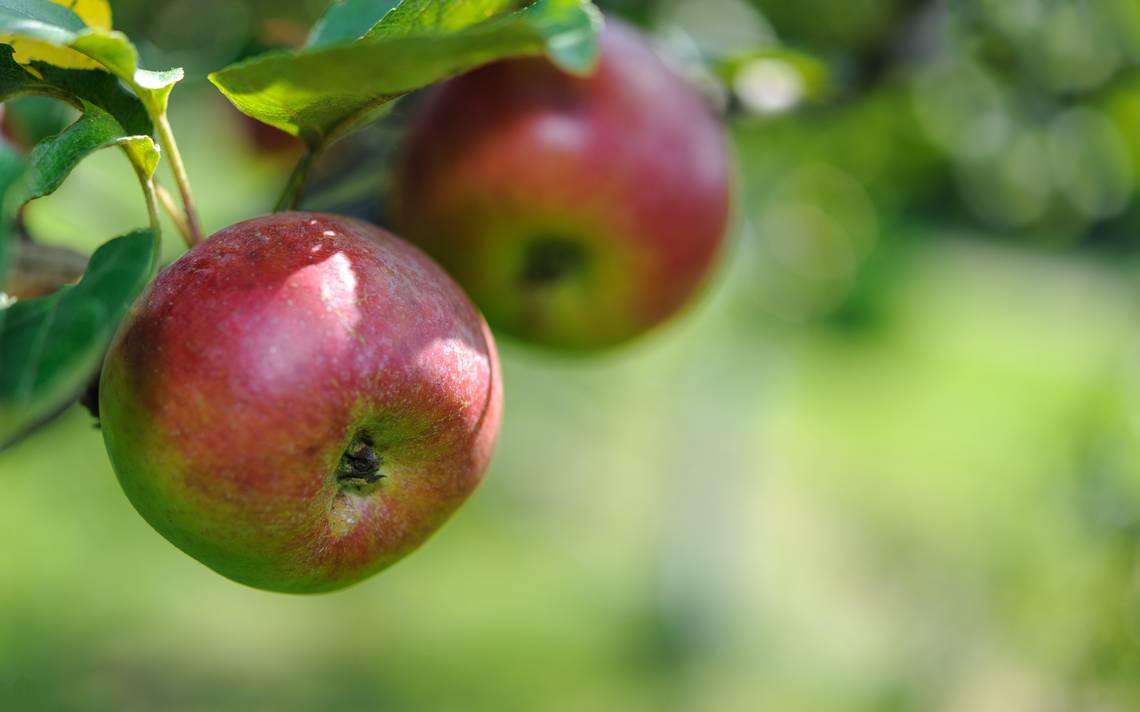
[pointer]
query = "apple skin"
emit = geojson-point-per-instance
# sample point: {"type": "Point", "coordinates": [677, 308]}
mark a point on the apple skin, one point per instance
{"type": "Point", "coordinates": [577, 212]}
{"type": "Point", "coordinates": [236, 385]}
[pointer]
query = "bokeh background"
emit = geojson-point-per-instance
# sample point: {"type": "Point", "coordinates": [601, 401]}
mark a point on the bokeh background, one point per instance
{"type": "Point", "coordinates": [890, 461]}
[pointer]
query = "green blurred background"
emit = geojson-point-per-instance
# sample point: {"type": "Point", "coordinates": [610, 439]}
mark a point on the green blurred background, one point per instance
{"type": "Point", "coordinates": [891, 460]}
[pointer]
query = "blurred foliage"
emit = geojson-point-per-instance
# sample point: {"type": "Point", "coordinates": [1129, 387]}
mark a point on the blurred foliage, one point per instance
{"type": "Point", "coordinates": [891, 462]}
{"type": "Point", "coordinates": [27, 120]}
{"type": "Point", "coordinates": [1017, 118]}
{"type": "Point", "coordinates": [831, 26]}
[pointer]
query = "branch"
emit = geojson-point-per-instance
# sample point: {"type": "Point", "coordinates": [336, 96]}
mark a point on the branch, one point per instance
{"type": "Point", "coordinates": [298, 182]}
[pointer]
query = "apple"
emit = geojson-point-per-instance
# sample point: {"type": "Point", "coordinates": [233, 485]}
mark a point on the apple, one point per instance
{"type": "Point", "coordinates": [577, 212]}
{"type": "Point", "coordinates": [300, 400]}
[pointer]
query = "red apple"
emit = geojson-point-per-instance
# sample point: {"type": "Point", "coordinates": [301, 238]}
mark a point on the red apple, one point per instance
{"type": "Point", "coordinates": [300, 400]}
{"type": "Point", "coordinates": [577, 212]}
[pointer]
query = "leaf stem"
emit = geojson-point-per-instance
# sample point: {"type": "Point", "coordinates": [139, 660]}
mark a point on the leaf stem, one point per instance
{"type": "Point", "coordinates": [178, 169]}
{"type": "Point", "coordinates": [148, 188]}
{"type": "Point", "coordinates": [166, 200]}
{"type": "Point", "coordinates": [298, 182]}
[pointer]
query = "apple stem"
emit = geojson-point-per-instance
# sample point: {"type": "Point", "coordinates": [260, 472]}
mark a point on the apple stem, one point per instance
{"type": "Point", "coordinates": [298, 182]}
{"type": "Point", "coordinates": [181, 179]}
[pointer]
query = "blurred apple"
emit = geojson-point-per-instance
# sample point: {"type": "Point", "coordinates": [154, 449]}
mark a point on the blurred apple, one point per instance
{"type": "Point", "coordinates": [578, 212]}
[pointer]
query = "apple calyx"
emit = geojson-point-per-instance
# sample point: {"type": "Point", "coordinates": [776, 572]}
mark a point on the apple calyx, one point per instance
{"type": "Point", "coordinates": [551, 259]}
{"type": "Point", "coordinates": [359, 466]}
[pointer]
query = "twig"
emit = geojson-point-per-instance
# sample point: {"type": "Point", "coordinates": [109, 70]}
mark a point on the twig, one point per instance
{"type": "Point", "coordinates": [298, 182]}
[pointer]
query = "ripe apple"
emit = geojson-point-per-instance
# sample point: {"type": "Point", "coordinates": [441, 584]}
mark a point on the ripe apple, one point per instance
{"type": "Point", "coordinates": [300, 400]}
{"type": "Point", "coordinates": [577, 212]}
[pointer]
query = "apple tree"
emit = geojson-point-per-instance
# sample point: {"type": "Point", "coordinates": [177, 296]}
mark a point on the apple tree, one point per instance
{"type": "Point", "coordinates": [302, 398]}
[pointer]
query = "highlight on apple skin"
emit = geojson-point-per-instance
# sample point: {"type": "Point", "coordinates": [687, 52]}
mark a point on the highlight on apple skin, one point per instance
{"type": "Point", "coordinates": [300, 401]}
{"type": "Point", "coordinates": [576, 212]}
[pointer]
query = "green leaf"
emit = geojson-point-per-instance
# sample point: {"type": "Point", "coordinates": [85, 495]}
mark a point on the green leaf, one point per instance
{"type": "Point", "coordinates": [54, 24]}
{"type": "Point", "coordinates": [114, 51]}
{"type": "Point", "coordinates": [319, 94]}
{"type": "Point", "coordinates": [75, 86]}
{"type": "Point", "coordinates": [428, 16]}
{"type": "Point", "coordinates": [111, 117]}
{"type": "Point", "coordinates": [39, 19]}
{"type": "Point", "coordinates": [54, 158]}
{"type": "Point", "coordinates": [12, 167]}
{"type": "Point", "coordinates": [348, 20]}
{"type": "Point", "coordinates": [50, 347]}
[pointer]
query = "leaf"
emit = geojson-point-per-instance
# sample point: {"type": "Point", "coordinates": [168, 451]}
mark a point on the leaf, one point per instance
{"type": "Point", "coordinates": [12, 168]}
{"type": "Point", "coordinates": [55, 157]}
{"type": "Point", "coordinates": [93, 13]}
{"type": "Point", "coordinates": [348, 20]}
{"type": "Point", "coordinates": [56, 25]}
{"type": "Point", "coordinates": [111, 117]}
{"type": "Point", "coordinates": [319, 94]}
{"type": "Point", "coordinates": [50, 347]}
{"type": "Point", "coordinates": [417, 16]}
{"type": "Point", "coordinates": [39, 19]}
{"type": "Point", "coordinates": [76, 86]}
